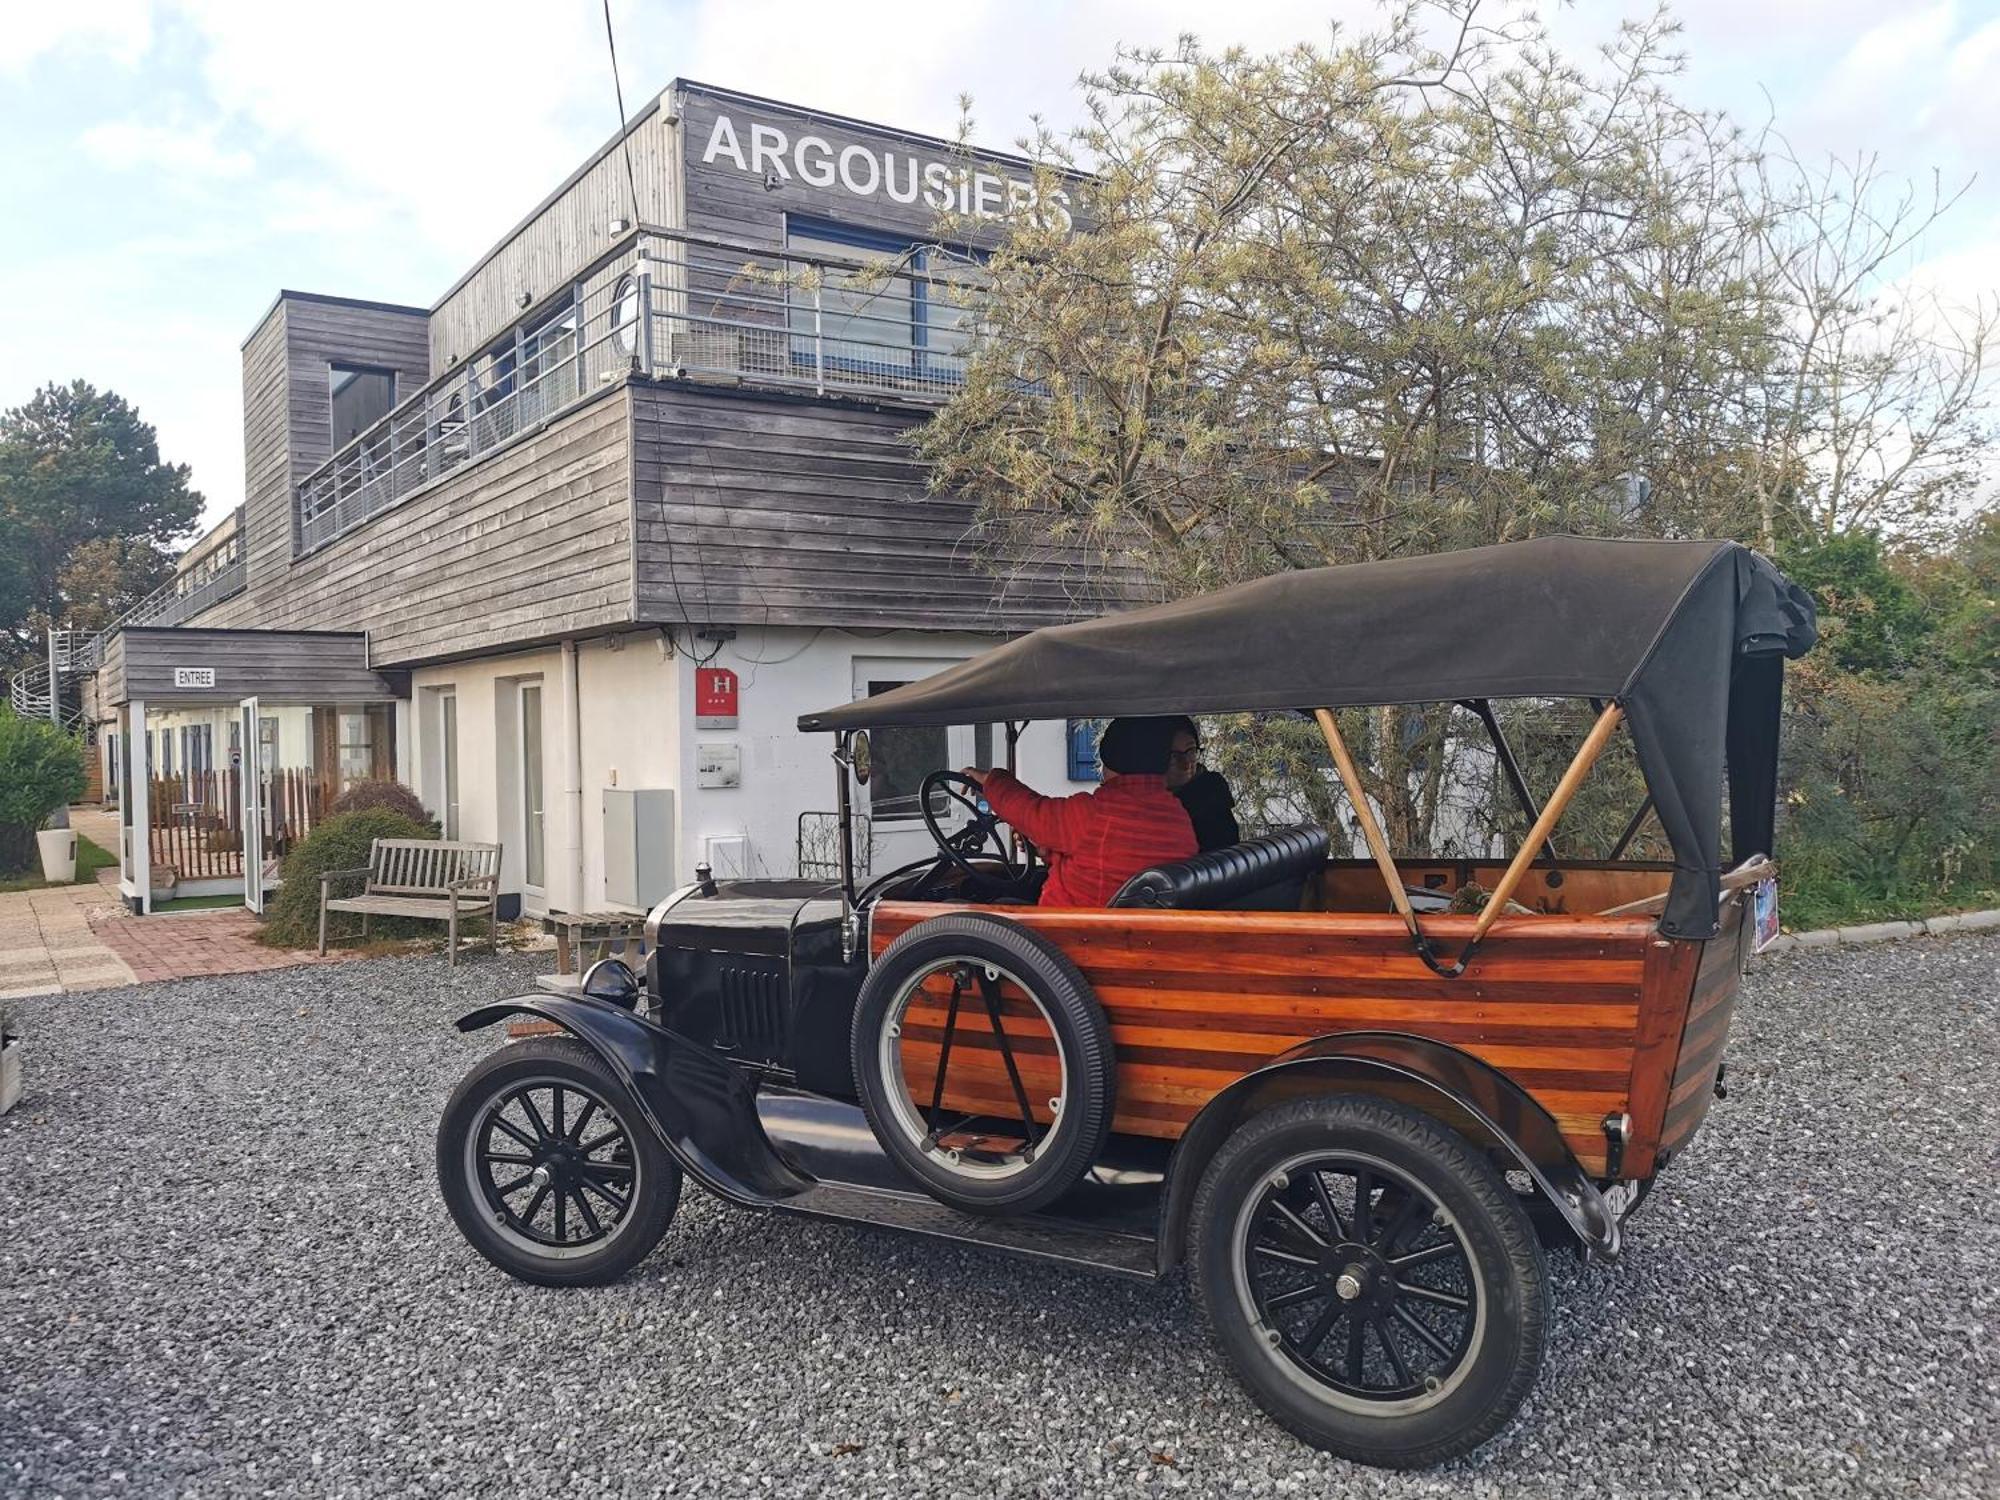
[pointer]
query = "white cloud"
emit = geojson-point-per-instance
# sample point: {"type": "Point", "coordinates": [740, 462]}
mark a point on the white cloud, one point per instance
{"type": "Point", "coordinates": [190, 151]}
{"type": "Point", "coordinates": [457, 119]}
{"type": "Point", "coordinates": [121, 30]}
{"type": "Point", "coordinates": [395, 140]}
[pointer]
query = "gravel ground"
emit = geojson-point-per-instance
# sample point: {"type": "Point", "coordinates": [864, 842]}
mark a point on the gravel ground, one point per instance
{"type": "Point", "coordinates": [225, 1269]}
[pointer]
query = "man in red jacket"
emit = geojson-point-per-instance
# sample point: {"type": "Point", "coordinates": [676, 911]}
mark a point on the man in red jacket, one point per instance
{"type": "Point", "coordinates": [1096, 841]}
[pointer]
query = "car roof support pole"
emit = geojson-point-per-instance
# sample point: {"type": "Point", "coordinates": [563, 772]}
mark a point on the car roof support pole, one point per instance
{"type": "Point", "coordinates": [1512, 767]}
{"type": "Point", "coordinates": [1632, 828]}
{"type": "Point", "coordinates": [1586, 757]}
{"type": "Point", "coordinates": [844, 801]}
{"type": "Point", "coordinates": [1371, 831]}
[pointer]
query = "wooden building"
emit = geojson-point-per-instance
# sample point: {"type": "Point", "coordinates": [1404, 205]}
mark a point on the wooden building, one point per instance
{"type": "Point", "coordinates": [607, 515]}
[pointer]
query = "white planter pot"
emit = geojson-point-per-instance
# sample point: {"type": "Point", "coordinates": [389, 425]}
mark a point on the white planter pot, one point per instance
{"type": "Point", "coordinates": [10, 1071]}
{"type": "Point", "coordinates": [58, 846]}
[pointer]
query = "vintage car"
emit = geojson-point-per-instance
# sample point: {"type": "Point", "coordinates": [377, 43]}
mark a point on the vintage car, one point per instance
{"type": "Point", "coordinates": [1355, 1117]}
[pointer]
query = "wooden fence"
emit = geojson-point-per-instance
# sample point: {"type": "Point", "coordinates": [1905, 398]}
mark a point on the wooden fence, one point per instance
{"type": "Point", "coordinates": [197, 820]}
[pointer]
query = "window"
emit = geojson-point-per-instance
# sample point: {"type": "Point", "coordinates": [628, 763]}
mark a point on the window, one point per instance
{"type": "Point", "coordinates": [531, 783]}
{"type": "Point", "coordinates": [198, 748]}
{"type": "Point", "coordinates": [874, 322]}
{"type": "Point", "coordinates": [356, 753]}
{"type": "Point", "coordinates": [362, 395]}
{"type": "Point", "coordinates": [1082, 737]}
{"type": "Point", "coordinates": [902, 759]}
{"type": "Point", "coordinates": [548, 363]}
{"type": "Point", "coordinates": [625, 315]}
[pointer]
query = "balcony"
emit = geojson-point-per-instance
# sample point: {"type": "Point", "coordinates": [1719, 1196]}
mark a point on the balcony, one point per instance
{"type": "Point", "coordinates": [219, 575]}
{"type": "Point", "coordinates": [667, 305]}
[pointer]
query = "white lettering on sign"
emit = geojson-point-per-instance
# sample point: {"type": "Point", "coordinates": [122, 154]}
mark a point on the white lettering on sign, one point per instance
{"type": "Point", "coordinates": [194, 677]}
{"type": "Point", "coordinates": [866, 172]}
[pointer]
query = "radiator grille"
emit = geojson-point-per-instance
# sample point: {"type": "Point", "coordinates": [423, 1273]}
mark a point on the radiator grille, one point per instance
{"type": "Point", "coordinates": [750, 1007]}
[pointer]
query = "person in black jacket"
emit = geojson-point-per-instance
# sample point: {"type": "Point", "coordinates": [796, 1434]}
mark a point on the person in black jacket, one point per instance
{"type": "Point", "coordinates": [1206, 796]}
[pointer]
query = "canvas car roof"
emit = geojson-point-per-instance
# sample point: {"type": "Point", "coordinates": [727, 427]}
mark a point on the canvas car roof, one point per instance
{"type": "Point", "coordinates": [1689, 636]}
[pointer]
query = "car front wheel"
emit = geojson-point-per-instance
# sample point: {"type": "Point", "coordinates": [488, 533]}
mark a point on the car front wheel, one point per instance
{"type": "Point", "coordinates": [1371, 1279]}
{"type": "Point", "coordinates": [549, 1169]}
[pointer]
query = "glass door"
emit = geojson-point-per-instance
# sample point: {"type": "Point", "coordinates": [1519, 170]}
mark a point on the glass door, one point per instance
{"type": "Point", "coordinates": [251, 781]}
{"type": "Point", "coordinates": [533, 832]}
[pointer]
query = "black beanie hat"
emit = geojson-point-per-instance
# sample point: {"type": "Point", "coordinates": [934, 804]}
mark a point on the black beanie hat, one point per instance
{"type": "Point", "coordinates": [1137, 747]}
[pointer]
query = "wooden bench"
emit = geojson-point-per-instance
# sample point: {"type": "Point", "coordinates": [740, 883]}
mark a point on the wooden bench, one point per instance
{"type": "Point", "coordinates": [430, 878]}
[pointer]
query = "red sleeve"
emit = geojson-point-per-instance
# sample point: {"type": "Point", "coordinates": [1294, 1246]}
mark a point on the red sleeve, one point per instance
{"type": "Point", "coordinates": [1047, 822]}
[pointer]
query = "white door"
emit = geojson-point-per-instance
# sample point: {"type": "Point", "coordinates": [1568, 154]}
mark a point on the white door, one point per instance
{"type": "Point", "coordinates": [250, 789]}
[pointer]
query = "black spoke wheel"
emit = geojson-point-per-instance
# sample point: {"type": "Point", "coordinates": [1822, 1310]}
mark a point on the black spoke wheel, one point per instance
{"type": "Point", "coordinates": [549, 1169]}
{"type": "Point", "coordinates": [1367, 1285]}
{"type": "Point", "coordinates": [1371, 1278]}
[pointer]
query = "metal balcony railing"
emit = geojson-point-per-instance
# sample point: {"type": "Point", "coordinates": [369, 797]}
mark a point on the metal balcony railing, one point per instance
{"type": "Point", "coordinates": [671, 305]}
{"type": "Point", "coordinates": [217, 577]}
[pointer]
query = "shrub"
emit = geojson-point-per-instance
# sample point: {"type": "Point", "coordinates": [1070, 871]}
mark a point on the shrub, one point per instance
{"type": "Point", "coordinates": [339, 843]}
{"type": "Point", "coordinates": [392, 796]}
{"type": "Point", "coordinates": [41, 769]}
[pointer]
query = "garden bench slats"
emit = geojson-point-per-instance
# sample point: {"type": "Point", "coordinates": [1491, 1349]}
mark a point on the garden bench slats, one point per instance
{"type": "Point", "coordinates": [434, 879]}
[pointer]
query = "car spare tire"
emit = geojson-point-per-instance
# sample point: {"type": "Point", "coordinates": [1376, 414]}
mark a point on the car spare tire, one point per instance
{"type": "Point", "coordinates": [984, 1063]}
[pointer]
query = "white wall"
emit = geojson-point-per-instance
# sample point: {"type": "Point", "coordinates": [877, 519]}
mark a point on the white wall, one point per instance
{"type": "Point", "coordinates": [789, 671]}
{"type": "Point", "coordinates": [637, 732]}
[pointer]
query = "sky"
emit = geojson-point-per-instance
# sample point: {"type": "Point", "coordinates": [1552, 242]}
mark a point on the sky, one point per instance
{"type": "Point", "coordinates": [169, 165]}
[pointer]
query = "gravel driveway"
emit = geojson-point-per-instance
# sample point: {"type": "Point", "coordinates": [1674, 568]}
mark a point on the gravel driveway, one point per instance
{"type": "Point", "coordinates": [224, 1269]}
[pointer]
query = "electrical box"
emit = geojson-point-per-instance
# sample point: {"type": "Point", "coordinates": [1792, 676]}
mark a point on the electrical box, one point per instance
{"type": "Point", "coordinates": [638, 845]}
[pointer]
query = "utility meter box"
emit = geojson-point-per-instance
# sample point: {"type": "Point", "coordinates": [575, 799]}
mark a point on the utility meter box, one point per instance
{"type": "Point", "coordinates": [638, 844]}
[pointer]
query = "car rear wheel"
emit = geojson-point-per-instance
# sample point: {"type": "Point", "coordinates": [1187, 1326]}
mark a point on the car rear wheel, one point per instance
{"type": "Point", "coordinates": [1371, 1279]}
{"type": "Point", "coordinates": [984, 1063]}
{"type": "Point", "coordinates": [549, 1169]}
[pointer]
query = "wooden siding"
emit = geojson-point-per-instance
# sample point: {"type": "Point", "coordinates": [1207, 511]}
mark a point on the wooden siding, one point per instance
{"type": "Point", "coordinates": [568, 230]}
{"type": "Point", "coordinates": [1198, 999]}
{"type": "Point", "coordinates": [755, 509]}
{"type": "Point", "coordinates": [288, 420]}
{"type": "Point", "coordinates": [294, 667]}
{"type": "Point", "coordinates": [530, 544]}
{"type": "Point", "coordinates": [267, 461]}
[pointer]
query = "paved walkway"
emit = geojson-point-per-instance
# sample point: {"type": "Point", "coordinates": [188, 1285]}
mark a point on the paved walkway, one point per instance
{"type": "Point", "coordinates": [196, 944]}
{"type": "Point", "coordinates": [47, 945]}
{"type": "Point", "coordinates": [80, 937]}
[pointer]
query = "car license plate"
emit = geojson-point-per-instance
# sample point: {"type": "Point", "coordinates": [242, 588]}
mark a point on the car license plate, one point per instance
{"type": "Point", "coordinates": [1764, 913]}
{"type": "Point", "coordinates": [1621, 1198]}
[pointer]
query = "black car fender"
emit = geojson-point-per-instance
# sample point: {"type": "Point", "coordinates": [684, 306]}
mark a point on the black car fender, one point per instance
{"type": "Point", "coordinates": [1472, 1096]}
{"type": "Point", "coordinates": [702, 1108]}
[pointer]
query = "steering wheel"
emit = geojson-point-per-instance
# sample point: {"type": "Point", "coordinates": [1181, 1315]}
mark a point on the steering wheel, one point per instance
{"type": "Point", "coordinates": [981, 836]}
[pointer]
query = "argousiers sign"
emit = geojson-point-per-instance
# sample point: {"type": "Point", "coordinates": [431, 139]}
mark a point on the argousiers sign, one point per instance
{"type": "Point", "coordinates": [770, 154]}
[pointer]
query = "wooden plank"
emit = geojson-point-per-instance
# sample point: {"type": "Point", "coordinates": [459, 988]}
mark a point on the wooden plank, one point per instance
{"type": "Point", "coordinates": [1663, 1003]}
{"type": "Point", "coordinates": [1197, 999]}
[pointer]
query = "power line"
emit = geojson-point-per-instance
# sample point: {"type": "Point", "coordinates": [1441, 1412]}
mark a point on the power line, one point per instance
{"type": "Point", "coordinates": [624, 136]}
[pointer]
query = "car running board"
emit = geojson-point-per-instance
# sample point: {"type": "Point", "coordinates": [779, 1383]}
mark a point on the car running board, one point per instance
{"type": "Point", "coordinates": [1084, 1246]}
{"type": "Point", "coordinates": [1098, 1225]}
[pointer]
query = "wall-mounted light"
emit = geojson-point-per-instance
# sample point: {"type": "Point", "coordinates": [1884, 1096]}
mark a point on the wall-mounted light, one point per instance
{"type": "Point", "coordinates": [523, 297]}
{"type": "Point", "coordinates": [619, 226]}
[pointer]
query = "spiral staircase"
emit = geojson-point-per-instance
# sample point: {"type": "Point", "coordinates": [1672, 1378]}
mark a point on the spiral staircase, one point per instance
{"type": "Point", "coordinates": [74, 655]}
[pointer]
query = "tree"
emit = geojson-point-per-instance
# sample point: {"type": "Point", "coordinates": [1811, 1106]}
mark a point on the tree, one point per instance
{"type": "Point", "coordinates": [107, 575]}
{"type": "Point", "coordinates": [78, 465]}
{"type": "Point", "coordinates": [1394, 296]}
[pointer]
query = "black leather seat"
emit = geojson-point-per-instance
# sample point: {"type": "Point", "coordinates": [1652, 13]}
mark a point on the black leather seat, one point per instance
{"type": "Point", "coordinates": [1260, 874]}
